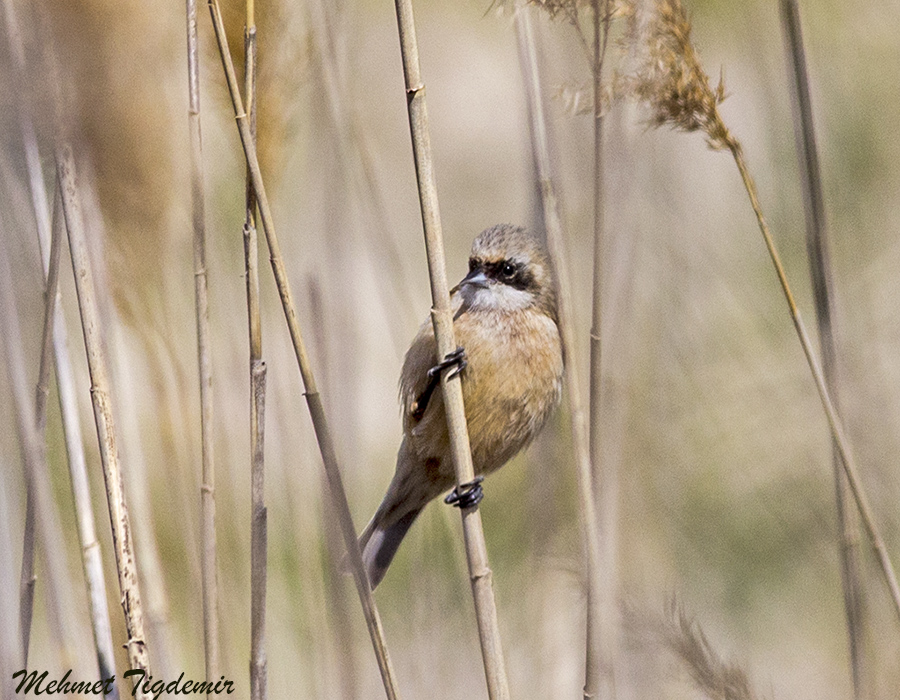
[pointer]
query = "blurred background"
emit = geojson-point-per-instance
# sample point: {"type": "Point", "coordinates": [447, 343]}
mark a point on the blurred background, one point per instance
{"type": "Point", "coordinates": [725, 495]}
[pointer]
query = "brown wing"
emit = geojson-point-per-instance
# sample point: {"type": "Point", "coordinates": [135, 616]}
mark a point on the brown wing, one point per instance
{"type": "Point", "coordinates": [420, 357]}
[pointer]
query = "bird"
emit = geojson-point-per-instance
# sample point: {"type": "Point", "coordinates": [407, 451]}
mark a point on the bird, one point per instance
{"type": "Point", "coordinates": [510, 364]}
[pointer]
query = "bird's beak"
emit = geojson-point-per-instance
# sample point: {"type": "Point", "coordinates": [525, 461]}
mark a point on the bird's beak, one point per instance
{"type": "Point", "coordinates": [476, 278]}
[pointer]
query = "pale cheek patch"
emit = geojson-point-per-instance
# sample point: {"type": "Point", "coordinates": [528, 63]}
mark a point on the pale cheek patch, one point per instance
{"type": "Point", "coordinates": [501, 297]}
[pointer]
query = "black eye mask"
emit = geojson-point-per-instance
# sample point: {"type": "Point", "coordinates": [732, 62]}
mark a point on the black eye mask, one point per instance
{"type": "Point", "coordinates": [521, 276]}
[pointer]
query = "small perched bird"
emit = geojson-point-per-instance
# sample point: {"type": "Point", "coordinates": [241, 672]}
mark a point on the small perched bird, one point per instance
{"type": "Point", "coordinates": [510, 363]}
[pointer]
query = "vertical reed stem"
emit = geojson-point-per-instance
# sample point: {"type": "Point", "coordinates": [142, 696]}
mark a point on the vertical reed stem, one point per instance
{"type": "Point", "coordinates": [556, 248]}
{"type": "Point", "coordinates": [36, 480]}
{"type": "Point", "coordinates": [834, 421]}
{"type": "Point", "coordinates": [313, 399]}
{"type": "Point", "coordinates": [204, 362]}
{"type": "Point", "coordinates": [91, 560]}
{"type": "Point", "coordinates": [258, 522]}
{"type": "Point", "coordinates": [126, 565]}
{"type": "Point", "coordinates": [476, 550]}
{"type": "Point", "coordinates": [820, 272]}
{"type": "Point", "coordinates": [600, 679]}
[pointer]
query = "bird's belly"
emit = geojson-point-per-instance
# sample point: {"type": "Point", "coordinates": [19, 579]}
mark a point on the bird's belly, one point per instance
{"type": "Point", "coordinates": [513, 385]}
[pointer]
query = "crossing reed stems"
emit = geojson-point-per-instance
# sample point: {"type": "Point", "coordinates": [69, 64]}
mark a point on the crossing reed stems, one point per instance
{"type": "Point", "coordinates": [313, 399]}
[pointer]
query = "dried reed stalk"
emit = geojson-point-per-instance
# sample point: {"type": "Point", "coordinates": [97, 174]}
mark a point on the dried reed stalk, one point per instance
{"type": "Point", "coordinates": [480, 574]}
{"type": "Point", "coordinates": [556, 248]}
{"type": "Point", "coordinates": [258, 517]}
{"type": "Point", "coordinates": [820, 272]}
{"type": "Point", "coordinates": [47, 229]}
{"type": "Point", "coordinates": [44, 506]}
{"type": "Point", "coordinates": [600, 679]}
{"type": "Point", "coordinates": [126, 565]}
{"type": "Point", "coordinates": [600, 676]}
{"type": "Point", "coordinates": [313, 399]}
{"type": "Point", "coordinates": [677, 89]}
{"type": "Point", "coordinates": [204, 361]}
{"type": "Point", "coordinates": [44, 524]}
{"type": "Point", "coordinates": [91, 559]}
{"type": "Point", "coordinates": [39, 196]}
{"type": "Point", "coordinates": [27, 577]}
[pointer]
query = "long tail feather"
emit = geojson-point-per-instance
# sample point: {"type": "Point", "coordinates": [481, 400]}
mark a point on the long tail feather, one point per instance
{"type": "Point", "coordinates": [379, 544]}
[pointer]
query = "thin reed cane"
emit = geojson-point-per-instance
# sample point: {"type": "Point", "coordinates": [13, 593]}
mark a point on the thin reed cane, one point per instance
{"type": "Point", "coordinates": [600, 679]}
{"type": "Point", "coordinates": [204, 362]}
{"type": "Point", "coordinates": [91, 560]}
{"type": "Point", "coordinates": [44, 508]}
{"type": "Point", "coordinates": [35, 468]}
{"type": "Point", "coordinates": [258, 516]}
{"type": "Point", "coordinates": [313, 399]}
{"type": "Point", "coordinates": [51, 307]}
{"type": "Point", "coordinates": [837, 429]}
{"type": "Point", "coordinates": [480, 574]}
{"type": "Point", "coordinates": [39, 200]}
{"type": "Point", "coordinates": [126, 565]}
{"type": "Point", "coordinates": [27, 577]}
{"type": "Point", "coordinates": [673, 82]}
{"type": "Point", "coordinates": [47, 229]}
{"type": "Point", "coordinates": [821, 275]}
{"type": "Point", "coordinates": [556, 248]}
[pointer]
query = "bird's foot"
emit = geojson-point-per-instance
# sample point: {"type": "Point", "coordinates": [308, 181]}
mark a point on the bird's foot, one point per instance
{"type": "Point", "coordinates": [466, 495]}
{"type": "Point", "coordinates": [456, 359]}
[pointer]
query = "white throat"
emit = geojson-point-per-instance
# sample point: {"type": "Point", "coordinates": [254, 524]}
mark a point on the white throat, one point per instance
{"type": "Point", "coordinates": [496, 297]}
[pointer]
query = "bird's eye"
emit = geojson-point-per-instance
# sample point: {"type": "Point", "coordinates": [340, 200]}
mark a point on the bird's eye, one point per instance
{"type": "Point", "coordinates": [508, 270]}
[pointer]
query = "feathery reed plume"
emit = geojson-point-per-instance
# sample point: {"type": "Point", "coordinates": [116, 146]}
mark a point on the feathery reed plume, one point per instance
{"type": "Point", "coordinates": [126, 564]}
{"type": "Point", "coordinates": [204, 361]}
{"type": "Point", "coordinates": [556, 248]}
{"type": "Point", "coordinates": [570, 12]}
{"type": "Point", "coordinates": [715, 678]}
{"type": "Point", "coordinates": [672, 82]}
{"type": "Point", "coordinates": [313, 398]}
{"type": "Point", "coordinates": [114, 73]}
{"type": "Point", "coordinates": [61, 104]}
{"type": "Point", "coordinates": [258, 521]}
{"type": "Point", "coordinates": [820, 272]}
{"type": "Point", "coordinates": [671, 79]}
{"type": "Point", "coordinates": [480, 575]}
{"type": "Point", "coordinates": [274, 73]}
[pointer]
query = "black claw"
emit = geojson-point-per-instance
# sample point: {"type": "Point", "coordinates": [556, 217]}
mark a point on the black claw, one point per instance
{"type": "Point", "coordinates": [456, 359]}
{"type": "Point", "coordinates": [466, 495]}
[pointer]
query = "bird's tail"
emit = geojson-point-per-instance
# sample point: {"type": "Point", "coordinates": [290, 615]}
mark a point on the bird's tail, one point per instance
{"type": "Point", "coordinates": [379, 542]}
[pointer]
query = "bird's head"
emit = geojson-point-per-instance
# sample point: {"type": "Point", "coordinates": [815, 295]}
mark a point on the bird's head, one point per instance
{"type": "Point", "coordinates": [508, 271]}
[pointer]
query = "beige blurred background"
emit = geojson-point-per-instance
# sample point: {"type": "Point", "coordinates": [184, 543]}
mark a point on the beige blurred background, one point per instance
{"type": "Point", "coordinates": [725, 490]}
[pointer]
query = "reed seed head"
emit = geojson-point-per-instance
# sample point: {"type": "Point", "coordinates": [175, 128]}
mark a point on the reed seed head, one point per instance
{"type": "Point", "coordinates": [561, 8]}
{"type": "Point", "coordinates": [670, 78]}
